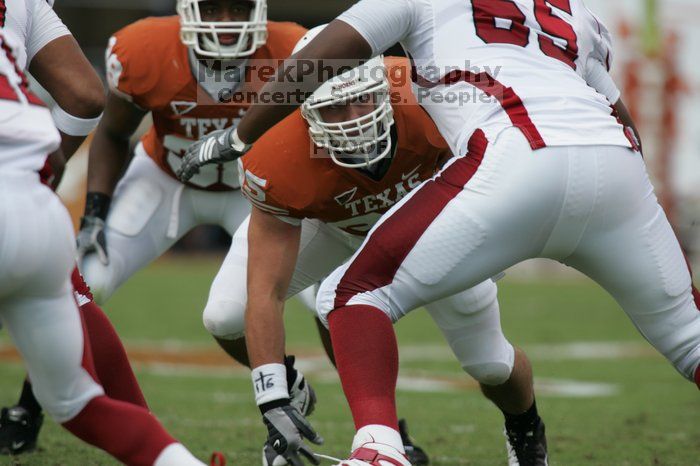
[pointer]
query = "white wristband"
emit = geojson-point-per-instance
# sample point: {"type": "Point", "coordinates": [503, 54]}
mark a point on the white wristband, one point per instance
{"type": "Point", "coordinates": [72, 125]}
{"type": "Point", "coordinates": [270, 383]}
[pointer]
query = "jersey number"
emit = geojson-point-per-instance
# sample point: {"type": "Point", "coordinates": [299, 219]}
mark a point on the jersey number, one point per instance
{"type": "Point", "coordinates": [502, 22]}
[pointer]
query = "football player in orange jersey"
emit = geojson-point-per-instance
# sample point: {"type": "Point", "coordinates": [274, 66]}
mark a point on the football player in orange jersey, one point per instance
{"type": "Point", "coordinates": [180, 70]}
{"type": "Point", "coordinates": [318, 182]}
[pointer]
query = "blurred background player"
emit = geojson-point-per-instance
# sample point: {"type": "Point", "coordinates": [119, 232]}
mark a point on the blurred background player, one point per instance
{"type": "Point", "coordinates": [186, 71]}
{"type": "Point", "coordinates": [174, 68]}
{"type": "Point", "coordinates": [37, 248]}
{"type": "Point", "coordinates": [318, 182]}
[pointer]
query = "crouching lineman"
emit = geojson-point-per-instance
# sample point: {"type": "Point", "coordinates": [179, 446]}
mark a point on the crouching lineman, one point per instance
{"type": "Point", "coordinates": [37, 306]}
{"type": "Point", "coordinates": [311, 212]}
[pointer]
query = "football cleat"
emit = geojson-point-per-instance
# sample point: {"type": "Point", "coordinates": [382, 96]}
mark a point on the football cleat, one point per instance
{"type": "Point", "coordinates": [415, 454]}
{"type": "Point", "coordinates": [527, 448]}
{"type": "Point", "coordinates": [18, 430]}
{"type": "Point", "coordinates": [302, 395]}
{"type": "Point", "coordinates": [376, 454]}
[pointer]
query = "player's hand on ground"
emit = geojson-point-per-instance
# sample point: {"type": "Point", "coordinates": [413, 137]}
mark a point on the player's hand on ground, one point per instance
{"type": "Point", "coordinates": [217, 147]}
{"type": "Point", "coordinates": [91, 238]}
{"type": "Point", "coordinates": [287, 431]}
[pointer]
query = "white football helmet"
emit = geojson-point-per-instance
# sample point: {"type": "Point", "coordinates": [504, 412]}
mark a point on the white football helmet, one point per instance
{"type": "Point", "coordinates": [358, 142]}
{"type": "Point", "coordinates": [202, 36]}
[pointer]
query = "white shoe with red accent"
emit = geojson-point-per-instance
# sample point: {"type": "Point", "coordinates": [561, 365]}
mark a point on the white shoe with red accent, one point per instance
{"type": "Point", "coordinates": [376, 454]}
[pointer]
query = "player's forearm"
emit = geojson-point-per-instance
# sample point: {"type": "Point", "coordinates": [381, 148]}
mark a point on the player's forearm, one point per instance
{"type": "Point", "coordinates": [57, 164]}
{"type": "Point", "coordinates": [262, 117]}
{"type": "Point", "coordinates": [626, 119]}
{"type": "Point", "coordinates": [70, 144]}
{"type": "Point", "coordinates": [108, 156]}
{"type": "Point", "coordinates": [265, 331]}
{"type": "Point", "coordinates": [338, 47]}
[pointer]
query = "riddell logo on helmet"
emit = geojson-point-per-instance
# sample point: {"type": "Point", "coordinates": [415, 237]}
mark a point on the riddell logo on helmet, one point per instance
{"type": "Point", "coordinates": [340, 87]}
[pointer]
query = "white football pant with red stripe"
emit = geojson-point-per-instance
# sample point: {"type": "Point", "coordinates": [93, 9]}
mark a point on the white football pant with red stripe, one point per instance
{"type": "Point", "coordinates": [589, 207]}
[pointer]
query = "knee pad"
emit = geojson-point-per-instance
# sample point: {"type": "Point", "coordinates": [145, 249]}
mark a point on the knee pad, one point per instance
{"type": "Point", "coordinates": [225, 319]}
{"type": "Point", "coordinates": [490, 373]}
{"type": "Point", "coordinates": [471, 324]}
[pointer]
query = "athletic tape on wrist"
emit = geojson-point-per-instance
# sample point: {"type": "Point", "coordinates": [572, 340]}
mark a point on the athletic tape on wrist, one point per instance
{"type": "Point", "coordinates": [72, 125]}
{"type": "Point", "coordinates": [270, 383]}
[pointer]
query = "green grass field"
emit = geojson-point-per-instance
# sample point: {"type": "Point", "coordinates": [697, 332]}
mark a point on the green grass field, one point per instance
{"type": "Point", "coordinates": [606, 397]}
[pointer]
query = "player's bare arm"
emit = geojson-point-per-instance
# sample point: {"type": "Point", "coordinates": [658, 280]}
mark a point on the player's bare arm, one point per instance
{"type": "Point", "coordinates": [108, 156]}
{"type": "Point", "coordinates": [338, 42]}
{"type": "Point", "coordinates": [626, 119]}
{"type": "Point", "coordinates": [109, 150]}
{"type": "Point", "coordinates": [273, 246]}
{"type": "Point", "coordinates": [272, 249]}
{"type": "Point", "coordinates": [62, 69]}
{"type": "Point", "coordinates": [56, 162]}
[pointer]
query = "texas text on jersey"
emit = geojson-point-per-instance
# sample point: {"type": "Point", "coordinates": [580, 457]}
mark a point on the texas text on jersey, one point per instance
{"type": "Point", "coordinates": [148, 64]}
{"type": "Point", "coordinates": [283, 176]}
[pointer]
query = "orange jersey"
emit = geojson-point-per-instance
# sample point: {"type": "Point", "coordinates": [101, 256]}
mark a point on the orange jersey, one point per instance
{"type": "Point", "coordinates": [149, 65]}
{"type": "Point", "coordinates": [282, 175]}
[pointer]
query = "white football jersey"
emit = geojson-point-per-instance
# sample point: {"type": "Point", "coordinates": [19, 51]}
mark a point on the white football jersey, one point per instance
{"type": "Point", "coordinates": [27, 131]}
{"type": "Point", "coordinates": [34, 23]}
{"type": "Point", "coordinates": [493, 64]}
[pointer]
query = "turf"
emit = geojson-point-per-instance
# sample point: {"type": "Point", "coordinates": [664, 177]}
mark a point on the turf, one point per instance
{"type": "Point", "coordinates": [643, 414]}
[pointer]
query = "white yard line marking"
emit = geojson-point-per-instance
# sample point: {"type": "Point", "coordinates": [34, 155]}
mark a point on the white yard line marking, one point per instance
{"type": "Point", "coordinates": [183, 359]}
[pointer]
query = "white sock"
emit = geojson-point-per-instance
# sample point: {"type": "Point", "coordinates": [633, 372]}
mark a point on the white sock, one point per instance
{"type": "Point", "coordinates": [375, 433]}
{"type": "Point", "coordinates": [176, 454]}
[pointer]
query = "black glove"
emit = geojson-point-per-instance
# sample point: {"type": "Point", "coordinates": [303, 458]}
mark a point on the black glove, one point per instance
{"type": "Point", "coordinates": [91, 238]}
{"type": "Point", "coordinates": [217, 147]}
{"type": "Point", "coordinates": [286, 431]}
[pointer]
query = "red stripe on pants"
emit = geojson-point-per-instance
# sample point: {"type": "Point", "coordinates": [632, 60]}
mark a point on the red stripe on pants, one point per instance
{"type": "Point", "coordinates": [390, 243]}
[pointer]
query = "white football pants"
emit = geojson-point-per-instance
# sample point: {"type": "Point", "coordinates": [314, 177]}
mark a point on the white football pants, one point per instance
{"type": "Point", "coordinates": [592, 208]}
{"type": "Point", "coordinates": [470, 320]}
{"type": "Point", "coordinates": [37, 255]}
{"type": "Point", "coordinates": [150, 212]}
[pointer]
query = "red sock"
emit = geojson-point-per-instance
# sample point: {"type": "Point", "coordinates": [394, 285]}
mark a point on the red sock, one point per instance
{"type": "Point", "coordinates": [697, 377]}
{"type": "Point", "coordinates": [696, 297]}
{"type": "Point", "coordinates": [129, 433]}
{"type": "Point", "coordinates": [111, 363]}
{"type": "Point", "coordinates": [367, 357]}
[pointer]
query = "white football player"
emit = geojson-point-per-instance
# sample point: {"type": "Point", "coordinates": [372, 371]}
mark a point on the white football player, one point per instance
{"type": "Point", "coordinates": [544, 169]}
{"type": "Point", "coordinates": [311, 211]}
{"type": "Point", "coordinates": [37, 305]}
{"type": "Point", "coordinates": [55, 60]}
